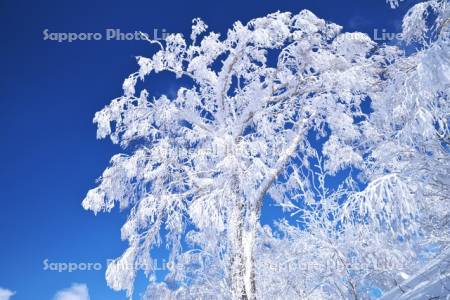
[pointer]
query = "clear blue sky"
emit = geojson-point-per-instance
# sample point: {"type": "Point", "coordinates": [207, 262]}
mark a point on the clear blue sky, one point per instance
{"type": "Point", "coordinates": [49, 92]}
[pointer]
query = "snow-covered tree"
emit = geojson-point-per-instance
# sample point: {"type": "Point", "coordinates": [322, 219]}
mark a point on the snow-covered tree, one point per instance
{"type": "Point", "coordinates": [408, 158]}
{"type": "Point", "coordinates": [409, 131]}
{"type": "Point", "coordinates": [271, 112]}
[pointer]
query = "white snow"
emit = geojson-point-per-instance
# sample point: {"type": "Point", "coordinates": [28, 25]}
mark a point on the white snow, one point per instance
{"type": "Point", "coordinates": [432, 282]}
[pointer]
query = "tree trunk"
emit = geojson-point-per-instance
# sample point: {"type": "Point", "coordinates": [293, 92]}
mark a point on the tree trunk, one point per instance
{"type": "Point", "coordinates": [242, 241]}
{"type": "Point", "coordinates": [237, 235]}
{"type": "Point", "coordinates": [251, 264]}
{"type": "Point", "coordinates": [237, 259]}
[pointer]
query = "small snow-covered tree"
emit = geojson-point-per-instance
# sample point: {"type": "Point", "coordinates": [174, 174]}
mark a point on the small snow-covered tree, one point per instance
{"type": "Point", "coordinates": [409, 129]}
{"type": "Point", "coordinates": [406, 146]}
{"type": "Point", "coordinates": [269, 113]}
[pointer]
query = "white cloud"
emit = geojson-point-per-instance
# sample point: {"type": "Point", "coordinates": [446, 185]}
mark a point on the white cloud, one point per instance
{"type": "Point", "coordinates": [6, 294]}
{"type": "Point", "coordinates": [77, 291]}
